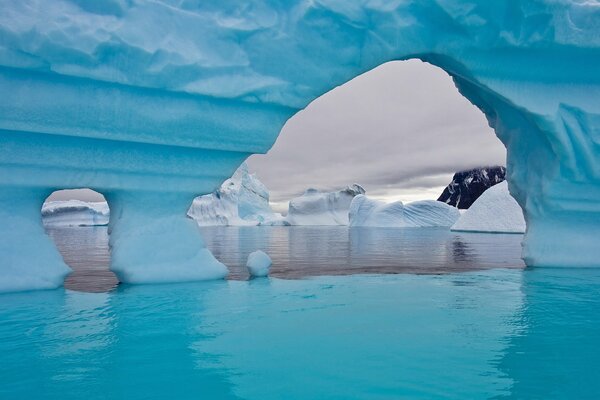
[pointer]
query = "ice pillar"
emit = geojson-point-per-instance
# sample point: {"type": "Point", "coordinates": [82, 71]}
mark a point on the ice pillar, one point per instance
{"type": "Point", "coordinates": [29, 260]}
{"type": "Point", "coordinates": [152, 240]}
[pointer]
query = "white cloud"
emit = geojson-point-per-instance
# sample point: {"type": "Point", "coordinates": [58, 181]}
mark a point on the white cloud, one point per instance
{"type": "Point", "coordinates": [400, 130]}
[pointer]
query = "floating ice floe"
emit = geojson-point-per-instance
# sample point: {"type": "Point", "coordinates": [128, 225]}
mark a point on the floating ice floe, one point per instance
{"type": "Point", "coordinates": [259, 264]}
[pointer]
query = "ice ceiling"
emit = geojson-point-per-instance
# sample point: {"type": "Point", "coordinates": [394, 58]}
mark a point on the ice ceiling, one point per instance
{"type": "Point", "coordinates": [154, 102]}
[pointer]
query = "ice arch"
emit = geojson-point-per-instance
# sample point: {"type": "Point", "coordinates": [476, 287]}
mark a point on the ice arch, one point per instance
{"type": "Point", "coordinates": [154, 102]}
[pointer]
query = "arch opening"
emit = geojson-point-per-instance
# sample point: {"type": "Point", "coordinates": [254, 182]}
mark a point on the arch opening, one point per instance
{"type": "Point", "coordinates": [77, 222]}
{"type": "Point", "coordinates": [401, 130]}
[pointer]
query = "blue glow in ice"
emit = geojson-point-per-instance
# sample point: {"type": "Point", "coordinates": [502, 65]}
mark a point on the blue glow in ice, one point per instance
{"type": "Point", "coordinates": [155, 102]}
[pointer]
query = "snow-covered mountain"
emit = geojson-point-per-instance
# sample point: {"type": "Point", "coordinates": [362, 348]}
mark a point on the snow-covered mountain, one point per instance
{"type": "Point", "coordinates": [241, 200]}
{"type": "Point", "coordinates": [467, 186]}
{"type": "Point", "coordinates": [495, 211]}
{"type": "Point", "coordinates": [322, 208]}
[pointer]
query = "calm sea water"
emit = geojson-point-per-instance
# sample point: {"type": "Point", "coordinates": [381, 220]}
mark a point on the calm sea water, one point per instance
{"type": "Point", "coordinates": [303, 251]}
{"type": "Point", "coordinates": [479, 334]}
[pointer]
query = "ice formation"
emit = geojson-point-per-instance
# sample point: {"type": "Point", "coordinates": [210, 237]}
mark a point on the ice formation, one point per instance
{"type": "Point", "coordinates": [259, 264]}
{"type": "Point", "coordinates": [241, 200]}
{"type": "Point", "coordinates": [494, 211]}
{"type": "Point", "coordinates": [425, 213]}
{"type": "Point", "coordinates": [153, 103]}
{"type": "Point", "coordinates": [75, 213]}
{"type": "Point", "coordinates": [322, 208]}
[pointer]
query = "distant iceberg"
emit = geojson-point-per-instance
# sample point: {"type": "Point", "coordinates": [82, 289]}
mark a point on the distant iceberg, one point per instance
{"type": "Point", "coordinates": [242, 200]}
{"type": "Point", "coordinates": [494, 211]}
{"type": "Point", "coordinates": [426, 213]}
{"type": "Point", "coordinates": [322, 208]}
{"type": "Point", "coordinates": [75, 213]}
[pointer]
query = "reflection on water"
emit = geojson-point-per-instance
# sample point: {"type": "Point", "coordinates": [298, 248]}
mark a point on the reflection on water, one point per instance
{"type": "Point", "coordinates": [503, 333]}
{"type": "Point", "coordinates": [85, 250]}
{"type": "Point", "coordinates": [309, 251]}
{"type": "Point", "coordinates": [301, 251]}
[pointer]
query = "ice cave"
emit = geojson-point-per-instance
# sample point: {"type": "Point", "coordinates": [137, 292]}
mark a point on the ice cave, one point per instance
{"type": "Point", "coordinates": [153, 103]}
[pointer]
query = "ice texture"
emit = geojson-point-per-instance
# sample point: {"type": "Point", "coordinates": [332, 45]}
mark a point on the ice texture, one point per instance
{"type": "Point", "coordinates": [426, 213]}
{"type": "Point", "coordinates": [494, 211]}
{"type": "Point", "coordinates": [241, 200]}
{"type": "Point", "coordinates": [258, 264]}
{"type": "Point", "coordinates": [153, 103]}
{"type": "Point", "coordinates": [322, 208]}
{"type": "Point", "coordinates": [75, 213]}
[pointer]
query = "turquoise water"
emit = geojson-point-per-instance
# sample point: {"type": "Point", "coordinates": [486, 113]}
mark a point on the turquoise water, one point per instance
{"type": "Point", "coordinates": [487, 334]}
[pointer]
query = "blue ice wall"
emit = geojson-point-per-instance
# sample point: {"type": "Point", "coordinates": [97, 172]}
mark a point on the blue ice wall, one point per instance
{"type": "Point", "coordinates": [155, 102]}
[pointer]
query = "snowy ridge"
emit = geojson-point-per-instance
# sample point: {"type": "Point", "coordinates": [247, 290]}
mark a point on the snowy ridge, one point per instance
{"type": "Point", "coordinates": [322, 208]}
{"type": "Point", "coordinates": [495, 211]}
{"type": "Point", "coordinates": [426, 213]}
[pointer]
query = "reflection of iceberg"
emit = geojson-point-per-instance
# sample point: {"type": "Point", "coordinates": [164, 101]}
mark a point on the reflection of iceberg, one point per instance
{"type": "Point", "coordinates": [322, 208]}
{"type": "Point", "coordinates": [553, 352]}
{"type": "Point", "coordinates": [426, 213]}
{"type": "Point", "coordinates": [241, 200]}
{"type": "Point", "coordinates": [494, 211]}
{"type": "Point", "coordinates": [75, 213]}
{"type": "Point", "coordinates": [301, 251]}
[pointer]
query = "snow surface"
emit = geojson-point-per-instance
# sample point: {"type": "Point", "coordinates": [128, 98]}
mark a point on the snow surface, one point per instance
{"type": "Point", "coordinates": [425, 213]}
{"type": "Point", "coordinates": [259, 264]}
{"type": "Point", "coordinates": [322, 208]}
{"type": "Point", "coordinates": [75, 213]}
{"type": "Point", "coordinates": [153, 103]}
{"type": "Point", "coordinates": [494, 211]}
{"type": "Point", "coordinates": [241, 200]}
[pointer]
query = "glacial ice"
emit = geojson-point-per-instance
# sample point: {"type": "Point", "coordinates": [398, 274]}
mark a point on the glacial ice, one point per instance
{"type": "Point", "coordinates": [153, 103]}
{"type": "Point", "coordinates": [322, 208]}
{"type": "Point", "coordinates": [494, 211]}
{"type": "Point", "coordinates": [75, 213]}
{"type": "Point", "coordinates": [425, 213]}
{"type": "Point", "coordinates": [259, 264]}
{"type": "Point", "coordinates": [241, 200]}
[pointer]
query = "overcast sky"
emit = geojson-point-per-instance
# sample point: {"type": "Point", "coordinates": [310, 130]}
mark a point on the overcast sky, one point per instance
{"type": "Point", "coordinates": [400, 130]}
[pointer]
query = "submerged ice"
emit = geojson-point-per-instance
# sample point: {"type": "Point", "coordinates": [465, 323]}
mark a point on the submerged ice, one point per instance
{"type": "Point", "coordinates": [153, 103]}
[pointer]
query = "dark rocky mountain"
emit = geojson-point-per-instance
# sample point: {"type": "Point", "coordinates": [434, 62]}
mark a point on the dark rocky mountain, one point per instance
{"type": "Point", "coordinates": [467, 186]}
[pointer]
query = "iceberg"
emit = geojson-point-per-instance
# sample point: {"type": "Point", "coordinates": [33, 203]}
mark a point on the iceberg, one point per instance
{"type": "Point", "coordinates": [153, 103]}
{"type": "Point", "coordinates": [418, 214]}
{"type": "Point", "coordinates": [75, 213]}
{"type": "Point", "coordinates": [322, 208]}
{"type": "Point", "coordinates": [241, 200]}
{"type": "Point", "coordinates": [494, 211]}
{"type": "Point", "coordinates": [259, 264]}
